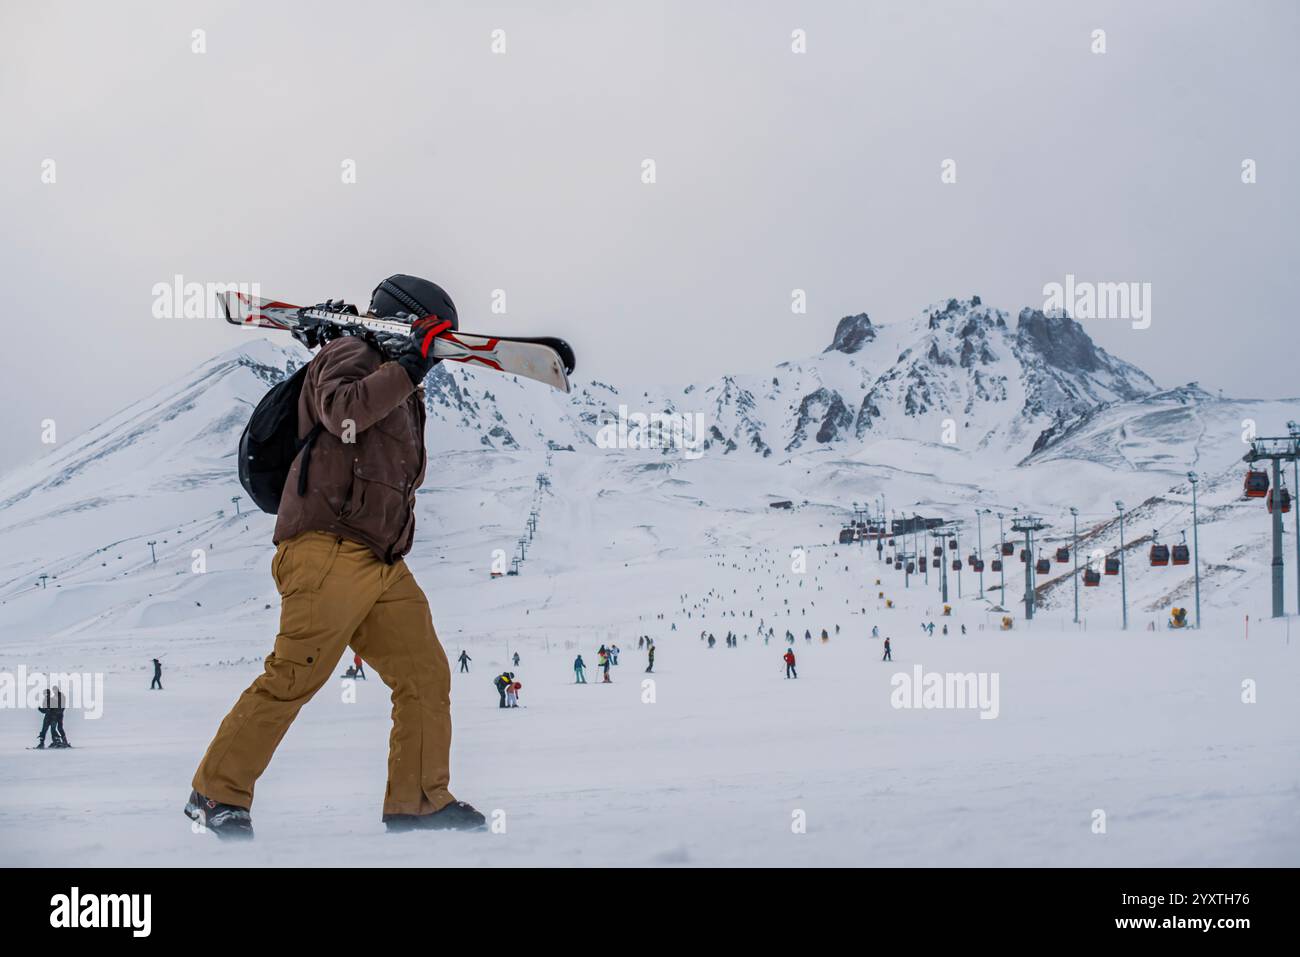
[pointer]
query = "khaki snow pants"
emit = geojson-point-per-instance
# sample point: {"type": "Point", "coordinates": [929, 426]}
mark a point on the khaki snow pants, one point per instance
{"type": "Point", "coordinates": [336, 593]}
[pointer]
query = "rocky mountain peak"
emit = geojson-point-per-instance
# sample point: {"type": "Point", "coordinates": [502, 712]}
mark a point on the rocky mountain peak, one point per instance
{"type": "Point", "coordinates": [851, 334]}
{"type": "Point", "coordinates": [1059, 340]}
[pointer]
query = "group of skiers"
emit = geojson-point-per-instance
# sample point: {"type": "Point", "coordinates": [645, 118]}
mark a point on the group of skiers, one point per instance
{"type": "Point", "coordinates": [508, 688]}
{"type": "Point", "coordinates": [52, 707]}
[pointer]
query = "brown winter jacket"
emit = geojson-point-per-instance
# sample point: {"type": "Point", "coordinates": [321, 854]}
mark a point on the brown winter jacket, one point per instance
{"type": "Point", "coordinates": [367, 460]}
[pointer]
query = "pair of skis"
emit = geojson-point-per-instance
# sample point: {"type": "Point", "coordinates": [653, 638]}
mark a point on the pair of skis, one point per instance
{"type": "Point", "coordinates": [543, 359]}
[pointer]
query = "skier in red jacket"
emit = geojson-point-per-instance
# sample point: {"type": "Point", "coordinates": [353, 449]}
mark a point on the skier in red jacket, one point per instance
{"type": "Point", "coordinates": [788, 658]}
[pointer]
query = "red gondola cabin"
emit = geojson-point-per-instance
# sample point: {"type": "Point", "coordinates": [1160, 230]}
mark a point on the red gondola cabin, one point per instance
{"type": "Point", "coordinates": [1256, 484]}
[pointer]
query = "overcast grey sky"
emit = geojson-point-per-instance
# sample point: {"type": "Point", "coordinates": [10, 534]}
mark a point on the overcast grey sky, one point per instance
{"type": "Point", "coordinates": [522, 171]}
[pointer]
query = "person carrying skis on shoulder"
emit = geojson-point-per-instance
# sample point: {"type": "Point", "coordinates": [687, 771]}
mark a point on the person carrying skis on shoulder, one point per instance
{"type": "Point", "coordinates": [788, 658]}
{"type": "Point", "coordinates": [345, 521]}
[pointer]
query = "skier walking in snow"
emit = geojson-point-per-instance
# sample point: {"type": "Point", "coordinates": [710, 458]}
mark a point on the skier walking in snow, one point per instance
{"type": "Point", "coordinates": [788, 658]}
{"type": "Point", "coordinates": [346, 518]}
{"type": "Point", "coordinates": [579, 671]}
{"type": "Point", "coordinates": [651, 666]}
{"type": "Point", "coordinates": [516, 659]}
{"type": "Point", "coordinates": [464, 660]}
{"type": "Point", "coordinates": [889, 654]}
{"type": "Point", "coordinates": [359, 666]}
{"type": "Point", "coordinates": [157, 676]}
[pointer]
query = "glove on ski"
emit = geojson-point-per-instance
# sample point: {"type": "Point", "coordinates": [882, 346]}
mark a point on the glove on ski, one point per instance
{"type": "Point", "coordinates": [417, 356]}
{"type": "Point", "coordinates": [313, 332]}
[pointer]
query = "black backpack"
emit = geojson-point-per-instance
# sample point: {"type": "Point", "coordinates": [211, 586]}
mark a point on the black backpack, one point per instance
{"type": "Point", "coordinates": [270, 444]}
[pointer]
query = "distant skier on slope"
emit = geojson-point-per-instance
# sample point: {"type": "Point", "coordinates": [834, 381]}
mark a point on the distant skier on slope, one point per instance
{"type": "Point", "coordinates": [359, 665]}
{"type": "Point", "coordinates": [889, 654]}
{"type": "Point", "coordinates": [345, 519]}
{"type": "Point", "coordinates": [579, 671]}
{"type": "Point", "coordinates": [464, 660]}
{"type": "Point", "coordinates": [516, 659]}
{"type": "Point", "coordinates": [53, 721]}
{"type": "Point", "coordinates": [157, 676]}
{"type": "Point", "coordinates": [651, 666]}
{"type": "Point", "coordinates": [788, 658]}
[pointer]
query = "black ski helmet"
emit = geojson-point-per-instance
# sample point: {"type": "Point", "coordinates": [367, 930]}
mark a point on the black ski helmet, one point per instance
{"type": "Point", "coordinates": [413, 296]}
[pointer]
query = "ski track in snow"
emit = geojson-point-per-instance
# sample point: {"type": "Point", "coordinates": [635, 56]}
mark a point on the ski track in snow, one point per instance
{"type": "Point", "coordinates": [1147, 726]}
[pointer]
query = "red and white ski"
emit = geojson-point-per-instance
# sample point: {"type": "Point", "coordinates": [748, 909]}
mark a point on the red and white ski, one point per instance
{"type": "Point", "coordinates": [543, 359]}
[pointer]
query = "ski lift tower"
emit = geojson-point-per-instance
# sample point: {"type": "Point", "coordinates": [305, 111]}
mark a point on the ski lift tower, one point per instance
{"type": "Point", "coordinates": [940, 536]}
{"type": "Point", "coordinates": [1275, 450]}
{"type": "Point", "coordinates": [1028, 524]}
{"type": "Point", "coordinates": [906, 557]}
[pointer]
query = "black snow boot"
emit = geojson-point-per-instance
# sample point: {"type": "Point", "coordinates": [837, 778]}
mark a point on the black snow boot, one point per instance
{"type": "Point", "coordinates": [223, 820]}
{"type": "Point", "coordinates": [456, 816]}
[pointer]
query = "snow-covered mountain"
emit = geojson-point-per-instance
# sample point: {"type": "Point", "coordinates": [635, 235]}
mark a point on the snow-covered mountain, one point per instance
{"type": "Point", "coordinates": [959, 373]}
{"type": "Point", "coordinates": [955, 410]}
